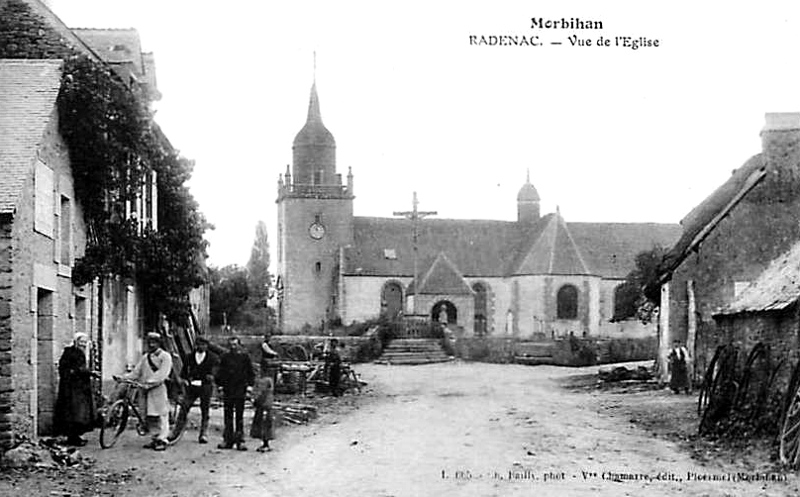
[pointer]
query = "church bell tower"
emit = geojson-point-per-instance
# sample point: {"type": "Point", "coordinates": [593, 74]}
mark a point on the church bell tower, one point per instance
{"type": "Point", "coordinates": [315, 221]}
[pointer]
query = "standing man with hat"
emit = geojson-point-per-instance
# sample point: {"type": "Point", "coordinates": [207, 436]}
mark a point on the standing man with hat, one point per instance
{"type": "Point", "coordinates": [152, 371]}
{"type": "Point", "coordinates": [198, 377]}
{"type": "Point", "coordinates": [235, 375]}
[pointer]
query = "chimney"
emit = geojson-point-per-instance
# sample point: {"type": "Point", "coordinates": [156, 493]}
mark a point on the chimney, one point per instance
{"type": "Point", "coordinates": [780, 146]}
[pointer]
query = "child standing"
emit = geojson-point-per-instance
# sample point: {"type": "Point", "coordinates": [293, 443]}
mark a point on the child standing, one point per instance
{"type": "Point", "coordinates": [262, 426]}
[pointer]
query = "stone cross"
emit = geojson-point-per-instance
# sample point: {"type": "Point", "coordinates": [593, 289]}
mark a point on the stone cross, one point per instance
{"type": "Point", "coordinates": [415, 215]}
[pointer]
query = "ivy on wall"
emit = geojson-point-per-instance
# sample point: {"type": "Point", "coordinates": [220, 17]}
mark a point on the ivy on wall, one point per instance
{"type": "Point", "coordinates": [114, 144]}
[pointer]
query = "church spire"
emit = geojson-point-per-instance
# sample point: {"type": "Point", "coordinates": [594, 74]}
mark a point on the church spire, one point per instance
{"type": "Point", "coordinates": [314, 148]}
{"type": "Point", "coordinates": [314, 115]}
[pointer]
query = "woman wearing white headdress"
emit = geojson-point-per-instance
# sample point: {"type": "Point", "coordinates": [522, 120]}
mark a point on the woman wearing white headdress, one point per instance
{"type": "Point", "coordinates": [74, 411]}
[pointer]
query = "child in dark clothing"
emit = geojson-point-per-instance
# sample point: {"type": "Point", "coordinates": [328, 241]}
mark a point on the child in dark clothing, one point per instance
{"type": "Point", "coordinates": [262, 426]}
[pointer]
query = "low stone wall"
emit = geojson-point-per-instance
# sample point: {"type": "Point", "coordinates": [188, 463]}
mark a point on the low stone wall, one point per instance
{"type": "Point", "coordinates": [571, 351]}
{"type": "Point", "coordinates": [352, 349]}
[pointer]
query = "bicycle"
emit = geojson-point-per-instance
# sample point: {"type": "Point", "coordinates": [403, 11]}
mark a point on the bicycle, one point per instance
{"type": "Point", "coordinates": [116, 416]}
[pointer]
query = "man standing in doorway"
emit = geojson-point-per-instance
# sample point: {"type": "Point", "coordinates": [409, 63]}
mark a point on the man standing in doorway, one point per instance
{"type": "Point", "coordinates": [235, 375]}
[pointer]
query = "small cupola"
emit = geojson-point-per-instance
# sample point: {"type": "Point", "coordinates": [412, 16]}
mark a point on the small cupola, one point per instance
{"type": "Point", "coordinates": [528, 203]}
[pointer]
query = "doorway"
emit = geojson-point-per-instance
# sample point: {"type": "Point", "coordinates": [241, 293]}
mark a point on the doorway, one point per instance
{"type": "Point", "coordinates": [45, 365]}
{"type": "Point", "coordinates": [444, 310]}
{"type": "Point", "coordinates": [392, 300]}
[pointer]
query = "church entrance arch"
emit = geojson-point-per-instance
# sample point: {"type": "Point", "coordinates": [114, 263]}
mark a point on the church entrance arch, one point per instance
{"type": "Point", "coordinates": [444, 310]}
{"type": "Point", "coordinates": [392, 299]}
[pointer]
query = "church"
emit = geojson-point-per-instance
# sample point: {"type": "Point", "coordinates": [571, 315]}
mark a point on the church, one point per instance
{"type": "Point", "coordinates": [537, 277]}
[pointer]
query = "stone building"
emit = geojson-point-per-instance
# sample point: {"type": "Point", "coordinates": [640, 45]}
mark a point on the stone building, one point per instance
{"type": "Point", "coordinates": [767, 312]}
{"type": "Point", "coordinates": [536, 276]}
{"type": "Point", "coordinates": [42, 231]}
{"type": "Point", "coordinates": [729, 240]}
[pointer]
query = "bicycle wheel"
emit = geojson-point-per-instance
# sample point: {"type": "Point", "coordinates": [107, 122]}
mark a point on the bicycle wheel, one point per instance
{"type": "Point", "coordinates": [178, 421]}
{"type": "Point", "coordinates": [115, 419]}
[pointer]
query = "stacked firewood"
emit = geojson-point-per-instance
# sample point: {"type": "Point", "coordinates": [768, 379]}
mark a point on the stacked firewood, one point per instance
{"type": "Point", "coordinates": [295, 413]}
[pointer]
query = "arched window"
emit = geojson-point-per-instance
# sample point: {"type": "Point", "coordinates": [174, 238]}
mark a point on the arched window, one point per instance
{"type": "Point", "coordinates": [480, 308]}
{"type": "Point", "coordinates": [567, 302]}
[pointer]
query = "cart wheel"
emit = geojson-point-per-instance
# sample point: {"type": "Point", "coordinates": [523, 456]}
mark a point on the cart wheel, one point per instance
{"type": "Point", "coordinates": [790, 433]}
{"type": "Point", "coordinates": [708, 379]}
{"type": "Point", "coordinates": [115, 419]}
{"type": "Point", "coordinates": [296, 353]}
{"type": "Point", "coordinates": [721, 391]}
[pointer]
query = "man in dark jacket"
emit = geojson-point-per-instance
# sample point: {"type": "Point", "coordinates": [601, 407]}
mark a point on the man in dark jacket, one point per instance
{"type": "Point", "coordinates": [333, 361]}
{"type": "Point", "coordinates": [198, 377]}
{"type": "Point", "coordinates": [234, 376]}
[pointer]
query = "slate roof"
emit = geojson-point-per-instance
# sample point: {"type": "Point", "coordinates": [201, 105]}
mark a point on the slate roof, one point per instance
{"type": "Point", "coordinates": [553, 252]}
{"type": "Point", "coordinates": [476, 247]}
{"type": "Point", "coordinates": [775, 289]}
{"type": "Point", "coordinates": [486, 248]}
{"type": "Point", "coordinates": [442, 278]}
{"type": "Point", "coordinates": [28, 91]}
{"type": "Point", "coordinates": [610, 249]}
{"type": "Point", "coordinates": [703, 218]}
{"type": "Point", "coordinates": [115, 46]}
{"type": "Point", "coordinates": [314, 131]}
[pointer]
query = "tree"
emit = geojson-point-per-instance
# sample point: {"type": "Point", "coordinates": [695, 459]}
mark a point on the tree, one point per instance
{"type": "Point", "coordinates": [635, 297]}
{"type": "Point", "coordinates": [258, 277]}
{"type": "Point", "coordinates": [256, 311]}
{"type": "Point", "coordinates": [229, 293]}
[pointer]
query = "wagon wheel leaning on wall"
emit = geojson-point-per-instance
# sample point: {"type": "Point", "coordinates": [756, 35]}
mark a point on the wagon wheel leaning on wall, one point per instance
{"type": "Point", "coordinates": [756, 361]}
{"type": "Point", "coordinates": [721, 388]}
{"type": "Point", "coordinates": [790, 427]}
{"type": "Point", "coordinates": [708, 379]}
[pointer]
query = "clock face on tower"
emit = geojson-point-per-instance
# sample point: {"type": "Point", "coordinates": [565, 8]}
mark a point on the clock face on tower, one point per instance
{"type": "Point", "coordinates": [316, 231]}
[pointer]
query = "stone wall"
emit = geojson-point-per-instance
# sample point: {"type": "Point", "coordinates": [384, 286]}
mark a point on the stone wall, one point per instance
{"type": "Point", "coordinates": [759, 229]}
{"type": "Point", "coordinates": [6, 356]}
{"type": "Point", "coordinates": [308, 288]}
{"type": "Point", "coordinates": [44, 305]}
{"type": "Point", "coordinates": [353, 349]}
{"type": "Point", "coordinates": [777, 330]}
{"type": "Point", "coordinates": [564, 352]}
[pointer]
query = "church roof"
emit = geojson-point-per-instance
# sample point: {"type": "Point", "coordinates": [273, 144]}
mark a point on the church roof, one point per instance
{"type": "Point", "coordinates": [441, 278]}
{"type": "Point", "coordinates": [314, 131]}
{"type": "Point", "coordinates": [476, 247]}
{"type": "Point", "coordinates": [28, 91]}
{"type": "Point", "coordinates": [486, 248]}
{"type": "Point", "coordinates": [553, 251]}
{"type": "Point", "coordinates": [610, 249]}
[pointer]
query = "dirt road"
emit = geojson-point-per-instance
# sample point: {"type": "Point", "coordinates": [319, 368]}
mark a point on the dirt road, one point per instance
{"type": "Point", "coordinates": [450, 429]}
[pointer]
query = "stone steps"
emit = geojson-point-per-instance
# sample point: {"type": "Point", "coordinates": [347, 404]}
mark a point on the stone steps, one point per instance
{"type": "Point", "coordinates": [412, 351]}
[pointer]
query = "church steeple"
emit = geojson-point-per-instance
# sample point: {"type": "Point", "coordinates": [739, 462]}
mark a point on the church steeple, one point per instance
{"type": "Point", "coordinates": [314, 149]}
{"type": "Point", "coordinates": [314, 115]}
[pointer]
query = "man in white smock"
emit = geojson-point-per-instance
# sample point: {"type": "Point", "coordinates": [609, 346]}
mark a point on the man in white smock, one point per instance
{"type": "Point", "coordinates": [152, 371]}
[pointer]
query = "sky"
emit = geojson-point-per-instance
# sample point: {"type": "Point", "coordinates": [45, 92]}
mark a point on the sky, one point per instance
{"type": "Point", "coordinates": [607, 133]}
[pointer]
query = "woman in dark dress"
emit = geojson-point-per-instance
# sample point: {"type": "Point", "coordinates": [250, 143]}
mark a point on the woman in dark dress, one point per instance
{"type": "Point", "coordinates": [74, 411]}
{"type": "Point", "coordinates": [679, 380]}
